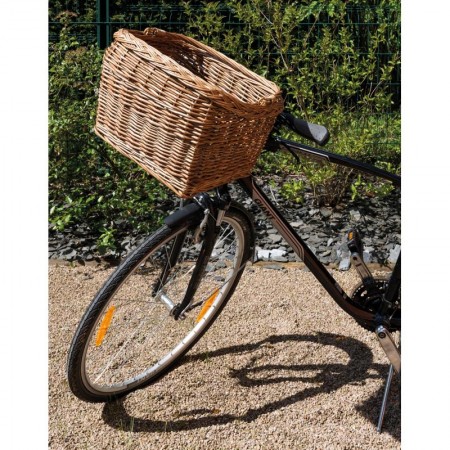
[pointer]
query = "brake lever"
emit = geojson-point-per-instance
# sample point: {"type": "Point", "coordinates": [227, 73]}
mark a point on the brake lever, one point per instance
{"type": "Point", "coordinates": [274, 145]}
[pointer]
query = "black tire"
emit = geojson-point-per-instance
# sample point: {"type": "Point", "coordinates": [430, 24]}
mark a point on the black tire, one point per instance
{"type": "Point", "coordinates": [141, 341]}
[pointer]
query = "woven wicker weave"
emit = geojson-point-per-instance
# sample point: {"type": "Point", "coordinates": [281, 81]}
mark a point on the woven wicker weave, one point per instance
{"type": "Point", "coordinates": [187, 114]}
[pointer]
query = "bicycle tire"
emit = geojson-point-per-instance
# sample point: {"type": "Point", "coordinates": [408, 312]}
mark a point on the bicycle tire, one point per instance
{"type": "Point", "coordinates": [102, 364]}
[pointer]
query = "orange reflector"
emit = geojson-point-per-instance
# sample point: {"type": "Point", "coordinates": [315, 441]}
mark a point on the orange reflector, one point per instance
{"type": "Point", "coordinates": [104, 326]}
{"type": "Point", "coordinates": [207, 305]}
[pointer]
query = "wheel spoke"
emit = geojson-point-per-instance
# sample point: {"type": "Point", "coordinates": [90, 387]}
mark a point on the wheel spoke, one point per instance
{"type": "Point", "coordinates": [138, 337]}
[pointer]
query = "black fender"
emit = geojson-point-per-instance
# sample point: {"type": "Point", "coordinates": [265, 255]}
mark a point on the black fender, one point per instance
{"type": "Point", "coordinates": [192, 214]}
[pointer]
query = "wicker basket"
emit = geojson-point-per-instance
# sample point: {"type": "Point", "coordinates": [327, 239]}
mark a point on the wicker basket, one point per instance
{"type": "Point", "coordinates": [187, 114]}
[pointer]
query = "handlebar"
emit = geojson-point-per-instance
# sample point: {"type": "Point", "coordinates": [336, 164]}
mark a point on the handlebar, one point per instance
{"type": "Point", "coordinates": [320, 135]}
{"type": "Point", "coordinates": [317, 133]}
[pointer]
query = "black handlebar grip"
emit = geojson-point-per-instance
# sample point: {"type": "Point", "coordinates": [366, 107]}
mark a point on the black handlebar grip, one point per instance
{"type": "Point", "coordinates": [316, 133]}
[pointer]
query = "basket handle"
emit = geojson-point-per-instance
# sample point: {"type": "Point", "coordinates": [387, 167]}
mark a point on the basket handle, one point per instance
{"type": "Point", "coordinates": [134, 40]}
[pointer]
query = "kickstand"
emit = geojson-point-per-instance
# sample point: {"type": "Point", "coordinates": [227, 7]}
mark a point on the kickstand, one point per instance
{"type": "Point", "coordinates": [392, 351]}
{"type": "Point", "coordinates": [385, 397]}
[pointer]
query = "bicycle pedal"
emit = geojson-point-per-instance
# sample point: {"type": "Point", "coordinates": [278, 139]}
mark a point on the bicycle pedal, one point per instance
{"type": "Point", "coordinates": [356, 257]}
{"type": "Point", "coordinates": [354, 242]}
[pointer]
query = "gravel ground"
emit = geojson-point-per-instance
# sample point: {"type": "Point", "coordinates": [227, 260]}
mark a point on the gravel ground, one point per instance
{"type": "Point", "coordinates": [282, 368]}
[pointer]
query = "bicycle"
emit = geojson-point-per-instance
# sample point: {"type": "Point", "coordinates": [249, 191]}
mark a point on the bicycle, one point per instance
{"type": "Point", "coordinates": [188, 270]}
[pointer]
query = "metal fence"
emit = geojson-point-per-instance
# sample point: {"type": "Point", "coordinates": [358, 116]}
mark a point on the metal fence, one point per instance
{"type": "Point", "coordinates": [95, 23]}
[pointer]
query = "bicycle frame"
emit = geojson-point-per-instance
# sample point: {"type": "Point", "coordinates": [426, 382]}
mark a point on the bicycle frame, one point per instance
{"type": "Point", "coordinates": [256, 193]}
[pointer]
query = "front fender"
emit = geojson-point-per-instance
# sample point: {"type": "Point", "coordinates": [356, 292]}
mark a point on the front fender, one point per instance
{"type": "Point", "coordinates": [190, 214]}
{"type": "Point", "coordinates": [193, 213]}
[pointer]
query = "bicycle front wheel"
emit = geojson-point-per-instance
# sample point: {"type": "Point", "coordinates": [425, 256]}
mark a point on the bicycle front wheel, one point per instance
{"type": "Point", "coordinates": [128, 338]}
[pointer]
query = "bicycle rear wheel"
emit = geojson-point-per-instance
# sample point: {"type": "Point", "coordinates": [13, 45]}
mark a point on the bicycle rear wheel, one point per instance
{"type": "Point", "coordinates": [127, 338]}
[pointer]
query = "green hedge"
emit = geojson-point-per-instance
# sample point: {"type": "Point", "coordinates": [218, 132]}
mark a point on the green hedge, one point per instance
{"type": "Point", "coordinates": [337, 62]}
{"type": "Point", "coordinates": [89, 182]}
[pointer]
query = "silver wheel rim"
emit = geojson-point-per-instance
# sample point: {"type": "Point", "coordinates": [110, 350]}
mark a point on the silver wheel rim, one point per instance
{"type": "Point", "coordinates": [121, 354]}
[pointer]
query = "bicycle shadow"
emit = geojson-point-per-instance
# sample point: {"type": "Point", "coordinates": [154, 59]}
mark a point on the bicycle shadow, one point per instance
{"type": "Point", "coordinates": [329, 378]}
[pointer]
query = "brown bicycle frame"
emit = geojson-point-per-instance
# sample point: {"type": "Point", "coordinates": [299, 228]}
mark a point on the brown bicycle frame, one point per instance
{"type": "Point", "coordinates": [256, 193]}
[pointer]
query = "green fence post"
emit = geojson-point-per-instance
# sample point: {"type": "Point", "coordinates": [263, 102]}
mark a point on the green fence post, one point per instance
{"type": "Point", "coordinates": [103, 24]}
{"type": "Point", "coordinates": [108, 36]}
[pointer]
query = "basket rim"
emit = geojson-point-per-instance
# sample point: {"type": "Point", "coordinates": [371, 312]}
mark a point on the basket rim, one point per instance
{"type": "Point", "coordinates": [189, 78]}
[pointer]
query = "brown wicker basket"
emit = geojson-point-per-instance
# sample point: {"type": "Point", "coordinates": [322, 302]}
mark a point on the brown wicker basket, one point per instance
{"type": "Point", "coordinates": [187, 114]}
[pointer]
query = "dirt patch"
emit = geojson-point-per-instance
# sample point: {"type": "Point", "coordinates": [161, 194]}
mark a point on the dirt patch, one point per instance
{"type": "Point", "coordinates": [282, 367]}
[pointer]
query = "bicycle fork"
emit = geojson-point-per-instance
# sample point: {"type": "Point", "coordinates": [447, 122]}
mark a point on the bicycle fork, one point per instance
{"type": "Point", "coordinates": [206, 230]}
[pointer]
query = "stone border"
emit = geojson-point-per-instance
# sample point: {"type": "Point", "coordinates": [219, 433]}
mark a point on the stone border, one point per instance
{"type": "Point", "coordinates": [324, 230]}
